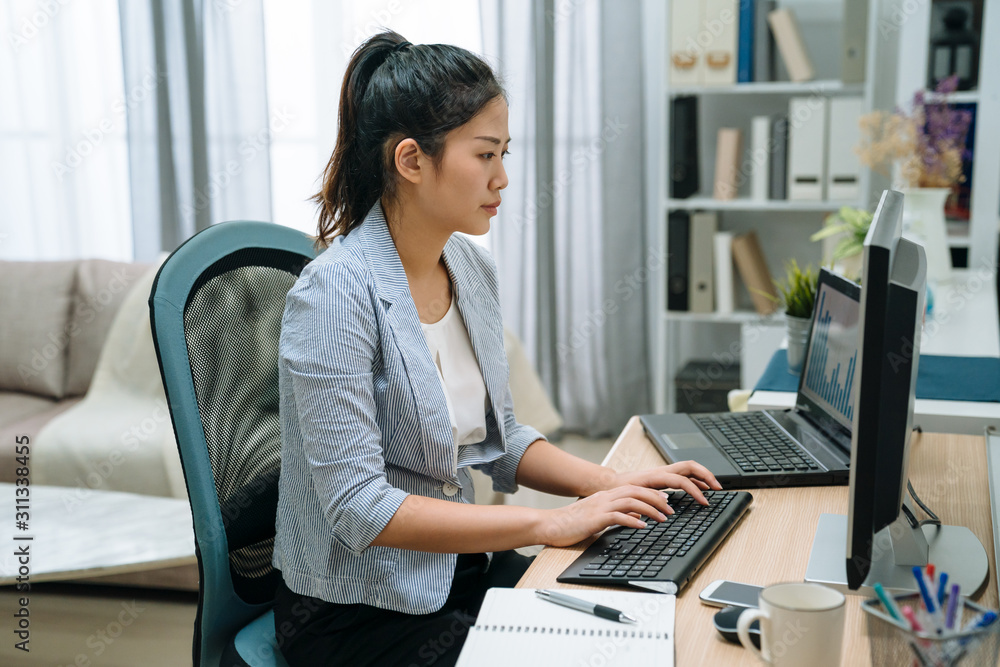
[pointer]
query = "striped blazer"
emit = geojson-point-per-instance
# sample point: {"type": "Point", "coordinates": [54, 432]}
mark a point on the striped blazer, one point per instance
{"type": "Point", "coordinates": [364, 422]}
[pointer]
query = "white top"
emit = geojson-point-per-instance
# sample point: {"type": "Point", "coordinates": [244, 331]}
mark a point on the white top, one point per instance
{"type": "Point", "coordinates": [460, 376]}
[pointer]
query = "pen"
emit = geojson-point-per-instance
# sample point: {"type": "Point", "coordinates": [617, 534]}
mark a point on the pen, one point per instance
{"type": "Point", "coordinates": [942, 588]}
{"type": "Point", "coordinates": [887, 602]}
{"type": "Point", "coordinates": [927, 598]}
{"type": "Point", "coordinates": [584, 606]}
{"type": "Point", "coordinates": [952, 606]}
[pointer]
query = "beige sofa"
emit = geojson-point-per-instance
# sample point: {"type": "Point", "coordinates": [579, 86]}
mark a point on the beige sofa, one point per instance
{"type": "Point", "coordinates": [54, 319]}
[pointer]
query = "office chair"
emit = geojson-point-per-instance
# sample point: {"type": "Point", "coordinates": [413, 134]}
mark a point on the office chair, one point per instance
{"type": "Point", "coordinates": [215, 309]}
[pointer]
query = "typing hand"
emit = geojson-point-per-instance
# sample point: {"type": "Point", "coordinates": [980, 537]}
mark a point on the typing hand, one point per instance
{"type": "Point", "coordinates": [619, 506]}
{"type": "Point", "coordinates": [687, 475]}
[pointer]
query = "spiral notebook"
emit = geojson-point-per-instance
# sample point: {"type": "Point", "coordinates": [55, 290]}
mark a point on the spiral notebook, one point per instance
{"type": "Point", "coordinates": [516, 627]}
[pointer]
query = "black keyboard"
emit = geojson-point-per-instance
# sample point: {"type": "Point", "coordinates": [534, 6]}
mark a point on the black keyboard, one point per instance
{"type": "Point", "coordinates": [664, 555]}
{"type": "Point", "coordinates": [755, 443]}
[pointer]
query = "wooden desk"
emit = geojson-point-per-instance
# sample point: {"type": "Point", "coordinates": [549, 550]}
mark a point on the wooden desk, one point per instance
{"type": "Point", "coordinates": [772, 542]}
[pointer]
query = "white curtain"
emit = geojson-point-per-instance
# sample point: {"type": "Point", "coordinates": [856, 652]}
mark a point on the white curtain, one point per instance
{"type": "Point", "coordinates": [569, 240]}
{"type": "Point", "coordinates": [200, 146]}
{"type": "Point", "coordinates": [63, 160]}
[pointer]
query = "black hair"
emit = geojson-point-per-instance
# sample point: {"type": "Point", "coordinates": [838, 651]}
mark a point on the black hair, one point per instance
{"type": "Point", "coordinates": [394, 90]}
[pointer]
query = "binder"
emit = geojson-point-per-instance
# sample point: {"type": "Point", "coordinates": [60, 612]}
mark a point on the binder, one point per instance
{"type": "Point", "coordinates": [750, 262]}
{"type": "Point", "coordinates": [855, 41]}
{"type": "Point", "coordinates": [728, 149]}
{"type": "Point", "coordinates": [678, 247]}
{"type": "Point", "coordinates": [745, 45]}
{"type": "Point", "coordinates": [759, 157]}
{"type": "Point", "coordinates": [720, 20]}
{"type": "Point", "coordinates": [806, 147]}
{"type": "Point", "coordinates": [701, 269]}
{"type": "Point", "coordinates": [684, 175]}
{"type": "Point", "coordinates": [779, 157]}
{"type": "Point", "coordinates": [686, 61]}
{"type": "Point", "coordinates": [843, 173]}
{"type": "Point", "coordinates": [790, 45]}
{"type": "Point", "coordinates": [725, 288]}
{"type": "Point", "coordinates": [764, 65]}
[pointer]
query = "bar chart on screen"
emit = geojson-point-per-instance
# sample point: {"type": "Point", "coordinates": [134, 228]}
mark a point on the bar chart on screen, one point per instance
{"type": "Point", "coordinates": [833, 353]}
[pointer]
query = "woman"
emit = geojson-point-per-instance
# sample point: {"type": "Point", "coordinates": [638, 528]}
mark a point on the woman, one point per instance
{"type": "Point", "coordinates": [394, 382]}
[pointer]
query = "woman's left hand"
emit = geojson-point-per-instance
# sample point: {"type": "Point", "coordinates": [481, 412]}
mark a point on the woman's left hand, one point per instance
{"type": "Point", "coordinates": [686, 475]}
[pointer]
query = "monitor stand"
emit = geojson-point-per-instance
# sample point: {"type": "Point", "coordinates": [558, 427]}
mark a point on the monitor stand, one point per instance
{"type": "Point", "coordinates": [896, 549]}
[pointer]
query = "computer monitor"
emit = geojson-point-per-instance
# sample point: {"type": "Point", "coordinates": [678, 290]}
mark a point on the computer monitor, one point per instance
{"type": "Point", "coordinates": [882, 535]}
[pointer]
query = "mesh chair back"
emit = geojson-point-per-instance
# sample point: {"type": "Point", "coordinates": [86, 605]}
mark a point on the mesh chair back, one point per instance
{"type": "Point", "coordinates": [216, 308]}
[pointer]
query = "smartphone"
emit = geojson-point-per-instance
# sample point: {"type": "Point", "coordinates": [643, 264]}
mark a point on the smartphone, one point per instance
{"type": "Point", "coordinates": [722, 593]}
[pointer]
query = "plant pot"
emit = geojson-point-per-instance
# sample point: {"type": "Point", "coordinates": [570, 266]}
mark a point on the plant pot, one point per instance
{"type": "Point", "coordinates": [923, 222]}
{"type": "Point", "coordinates": [798, 335]}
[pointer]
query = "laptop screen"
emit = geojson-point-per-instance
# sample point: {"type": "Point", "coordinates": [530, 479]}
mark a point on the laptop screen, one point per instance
{"type": "Point", "coordinates": [830, 369]}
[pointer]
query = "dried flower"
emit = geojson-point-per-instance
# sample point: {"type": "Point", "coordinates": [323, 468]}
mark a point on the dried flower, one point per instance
{"type": "Point", "coordinates": [928, 143]}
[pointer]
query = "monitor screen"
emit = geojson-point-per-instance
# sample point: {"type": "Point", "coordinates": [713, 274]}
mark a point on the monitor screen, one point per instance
{"type": "Point", "coordinates": [831, 363]}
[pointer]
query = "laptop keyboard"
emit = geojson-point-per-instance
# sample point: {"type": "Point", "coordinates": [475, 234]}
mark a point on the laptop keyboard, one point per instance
{"type": "Point", "coordinates": [755, 443]}
{"type": "Point", "coordinates": [690, 534]}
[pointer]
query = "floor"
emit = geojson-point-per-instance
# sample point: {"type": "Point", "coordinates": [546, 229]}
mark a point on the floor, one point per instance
{"type": "Point", "coordinates": [106, 626]}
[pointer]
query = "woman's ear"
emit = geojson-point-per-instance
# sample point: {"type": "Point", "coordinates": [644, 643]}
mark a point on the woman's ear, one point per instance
{"type": "Point", "coordinates": [409, 159]}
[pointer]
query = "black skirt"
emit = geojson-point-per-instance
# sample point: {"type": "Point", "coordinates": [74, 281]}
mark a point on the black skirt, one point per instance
{"type": "Point", "coordinates": [315, 633]}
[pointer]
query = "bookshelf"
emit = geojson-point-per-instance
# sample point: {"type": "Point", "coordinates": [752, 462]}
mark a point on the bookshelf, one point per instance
{"type": "Point", "coordinates": [783, 226]}
{"type": "Point", "coordinates": [979, 234]}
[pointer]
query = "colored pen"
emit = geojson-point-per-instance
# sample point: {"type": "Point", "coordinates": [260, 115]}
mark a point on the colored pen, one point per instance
{"type": "Point", "coordinates": [983, 621]}
{"type": "Point", "coordinates": [912, 618]}
{"type": "Point", "coordinates": [926, 596]}
{"type": "Point", "coordinates": [930, 573]}
{"type": "Point", "coordinates": [887, 602]}
{"type": "Point", "coordinates": [584, 606]}
{"type": "Point", "coordinates": [949, 621]}
{"type": "Point", "coordinates": [942, 588]}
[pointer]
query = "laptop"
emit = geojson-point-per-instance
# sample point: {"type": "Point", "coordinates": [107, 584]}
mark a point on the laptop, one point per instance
{"type": "Point", "coordinates": [808, 445]}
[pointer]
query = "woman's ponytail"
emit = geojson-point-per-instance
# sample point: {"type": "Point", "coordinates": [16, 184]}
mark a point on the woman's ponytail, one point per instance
{"type": "Point", "coordinates": [352, 180]}
{"type": "Point", "coordinates": [393, 90]}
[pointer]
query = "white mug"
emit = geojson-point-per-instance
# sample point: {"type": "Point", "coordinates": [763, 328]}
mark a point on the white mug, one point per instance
{"type": "Point", "coordinates": [800, 624]}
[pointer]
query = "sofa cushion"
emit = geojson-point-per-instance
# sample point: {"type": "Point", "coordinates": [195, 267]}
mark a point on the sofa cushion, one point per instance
{"type": "Point", "coordinates": [16, 406]}
{"type": "Point", "coordinates": [101, 287]}
{"type": "Point", "coordinates": [119, 437]}
{"type": "Point", "coordinates": [20, 415]}
{"type": "Point", "coordinates": [34, 326]}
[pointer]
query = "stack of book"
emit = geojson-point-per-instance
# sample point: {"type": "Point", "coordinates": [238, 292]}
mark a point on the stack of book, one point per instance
{"type": "Point", "coordinates": [700, 277]}
{"type": "Point", "coordinates": [724, 42]}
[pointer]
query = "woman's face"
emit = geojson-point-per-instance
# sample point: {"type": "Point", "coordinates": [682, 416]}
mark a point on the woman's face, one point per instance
{"type": "Point", "coordinates": [463, 193]}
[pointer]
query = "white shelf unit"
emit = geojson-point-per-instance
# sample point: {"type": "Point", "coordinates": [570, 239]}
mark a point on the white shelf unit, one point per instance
{"type": "Point", "coordinates": [784, 225]}
{"type": "Point", "coordinates": [984, 218]}
{"type": "Point", "coordinates": [747, 204]}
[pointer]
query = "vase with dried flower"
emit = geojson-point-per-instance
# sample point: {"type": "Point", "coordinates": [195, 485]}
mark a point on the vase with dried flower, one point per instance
{"type": "Point", "coordinates": [928, 146]}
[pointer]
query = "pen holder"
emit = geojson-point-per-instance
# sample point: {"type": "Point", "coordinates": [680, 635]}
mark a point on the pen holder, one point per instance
{"type": "Point", "coordinates": [896, 643]}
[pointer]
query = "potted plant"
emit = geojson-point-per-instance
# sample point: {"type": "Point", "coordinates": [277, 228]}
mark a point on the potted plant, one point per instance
{"type": "Point", "coordinates": [797, 292]}
{"type": "Point", "coordinates": [852, 224]}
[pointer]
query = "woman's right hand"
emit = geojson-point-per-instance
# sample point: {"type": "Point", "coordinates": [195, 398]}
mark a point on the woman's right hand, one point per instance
{"type": "Point", "coordinates": [619, 506]}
